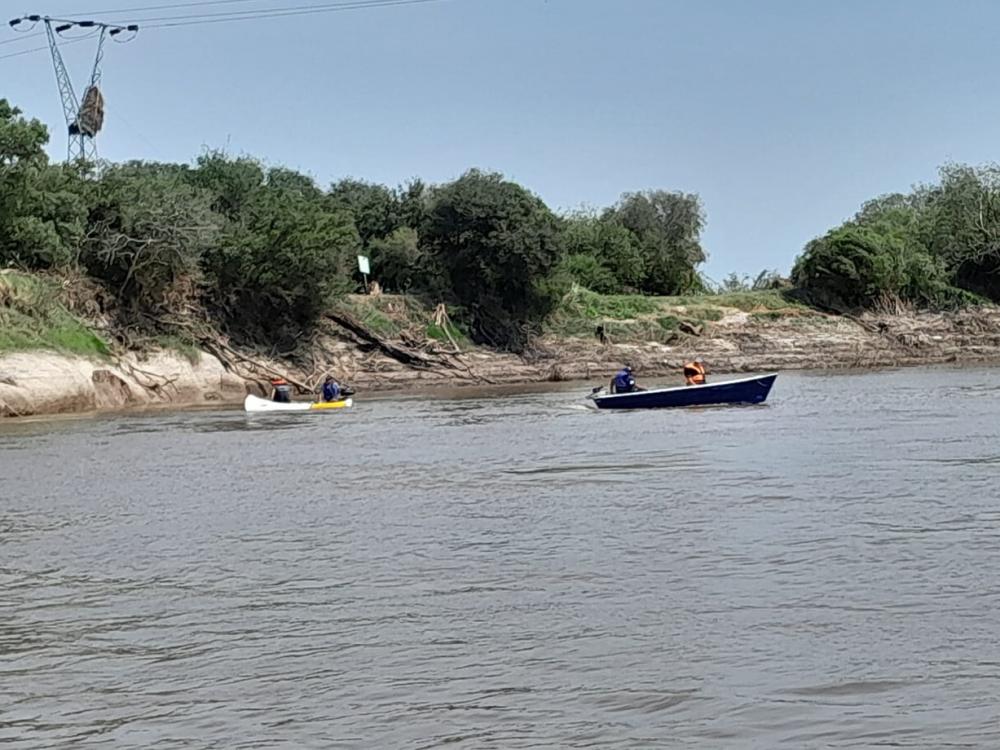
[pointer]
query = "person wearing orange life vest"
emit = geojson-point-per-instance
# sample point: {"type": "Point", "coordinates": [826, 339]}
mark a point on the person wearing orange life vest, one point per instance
{"type": "Point", "coordinates": [282, 392]}
{"type": "Point", "coordinates": [694, 373]}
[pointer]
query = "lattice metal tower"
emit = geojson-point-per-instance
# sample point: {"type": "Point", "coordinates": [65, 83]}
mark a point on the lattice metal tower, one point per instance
{"type": "Point", "coordinates": [84, 116]}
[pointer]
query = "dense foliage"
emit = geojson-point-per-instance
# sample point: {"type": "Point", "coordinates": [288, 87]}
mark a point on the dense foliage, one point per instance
{"type": "Point", "coordinates": [666, 228]}
{"type": "Point", "coordinates": [42, 213]}
{"type": "Point", "coordinates": [497, 245]}
{"type": "Point", "coordinates": [283, 250]}
{"type": "Point", "coordinates": [648, 243]}
{"type": "Point", "coordinates": [147, 232]}
{"type": "Point", "coordinates": [602, 254]}
{"type": "Point", "coordinates": [262, 252]}
{"type": "Point", "coordinates": [936, 247]}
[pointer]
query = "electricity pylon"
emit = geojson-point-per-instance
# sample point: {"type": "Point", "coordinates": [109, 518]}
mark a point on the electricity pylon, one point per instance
{"type": "Point", "coordinates": [84, 116]}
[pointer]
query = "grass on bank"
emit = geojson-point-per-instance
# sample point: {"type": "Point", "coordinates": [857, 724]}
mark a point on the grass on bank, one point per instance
{"type": "Point", "coordinates": [635, 317]}
{"type": "Point", "coordinates": [32, 317]}
{"type": "Point", "coordinates": [392, 315]}
{"type": "Point", "coordinates": [625, 317]}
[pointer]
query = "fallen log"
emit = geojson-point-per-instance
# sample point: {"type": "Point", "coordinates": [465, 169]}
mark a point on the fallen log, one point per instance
{"type": "Point", "coordinates": [400, 354]}
{"type": "Point", "coordinates": [226, 354]}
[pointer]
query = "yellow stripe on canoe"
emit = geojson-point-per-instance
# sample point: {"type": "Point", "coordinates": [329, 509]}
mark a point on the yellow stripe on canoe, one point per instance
{"type": "Point", "coordinates": [331, 404]}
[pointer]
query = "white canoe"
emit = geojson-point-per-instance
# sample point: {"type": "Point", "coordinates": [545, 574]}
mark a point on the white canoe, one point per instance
{"type": "Point", "coordinates": [257, 404]}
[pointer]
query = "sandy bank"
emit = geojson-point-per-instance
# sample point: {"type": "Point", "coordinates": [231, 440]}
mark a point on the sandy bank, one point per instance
{"type": "Point", "coordinates": [737, 343]}
{"type": "Point", "coordinates": [49, 383]}
{"type": "Point", "coordinates": [35, 383]}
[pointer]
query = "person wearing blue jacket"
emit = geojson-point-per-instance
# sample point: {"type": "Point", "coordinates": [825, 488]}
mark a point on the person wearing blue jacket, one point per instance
{"type": "Point", "coordinates": [624, 381]}
{"type": "Point", "coordinates": [331, 389]}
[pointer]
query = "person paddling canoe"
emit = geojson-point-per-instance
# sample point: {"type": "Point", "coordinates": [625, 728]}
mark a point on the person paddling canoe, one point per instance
{"type": "Point", "coordinates": [281, 392]}
{"type": "Point", "coordinates": [331, 389]}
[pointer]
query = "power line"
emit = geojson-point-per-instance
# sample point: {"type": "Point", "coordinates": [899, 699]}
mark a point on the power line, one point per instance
{"type": "Point", "coordinates": [45, 48]}
{"type": "Point", "coordinates": [24, 52]}
{"type": "Point", "coordinates": [170, 6]}
{"type": "Point", "coordinates": [24, 35]}
{"type": "Point", "coordinates": [252, 15]}
{"type": "Point", "coordinates": [302, 10]}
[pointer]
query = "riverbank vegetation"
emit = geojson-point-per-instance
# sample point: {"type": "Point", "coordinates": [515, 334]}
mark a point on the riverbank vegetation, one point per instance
{"type": "Point", "coordinates": [260, 255]}
{"type": "Point", "coordinates": [665, 319]}
{"type": "Point", "coordinates": [935, 247]}
{"type": "Point", "coordinates": [32, 316]}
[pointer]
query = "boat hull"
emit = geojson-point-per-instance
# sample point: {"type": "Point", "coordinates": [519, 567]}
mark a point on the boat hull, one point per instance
{"type": "Point", "coordinates": [744, 391]}
{"type": "Point", "coordinates": [256, 404]}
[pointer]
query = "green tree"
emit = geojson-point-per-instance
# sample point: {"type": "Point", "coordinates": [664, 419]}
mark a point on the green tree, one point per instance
{"type": "Point", "coordinates": [587, 271]}
{"type": "Point", "coordinates": [497, 245]}
{"type": "Point", "coordinates": [42, 210]}
{"type": "Point", "coordinates": [413, 198]}
{"type": "Point", "coordinates": [397, 262]}
{"type": "Point", "coordinates": [856, 267]}
{"type": "Point", "coordinates": [233, 183]}
{"type": "Point", "coordinates": [277, 265]}
{"type": "Point", "coordinates": [668, 228]}
{"type": "Point", "coordinates": [766, 279]}
{"type": "Point", "coordinates": [293, 182]}
{"type": "Point", "coordinates": [962, 226]}
{"type": "Point", "coordinates": [374, 208]}
{"type": "Point", "coordinates": [937, 246]}
{"type": "Point", "coordinates": [620, 266]}
{"type": "Point", "coordinates": [898, 209]}
{"type": "Point", "coordinates": [148, 229]}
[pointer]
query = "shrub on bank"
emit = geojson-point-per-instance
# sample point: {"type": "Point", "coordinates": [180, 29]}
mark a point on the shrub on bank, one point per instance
{"type": "Point", "coordinates": [497, 245]}
{"type": "Point", "coordinates": [937, 247]}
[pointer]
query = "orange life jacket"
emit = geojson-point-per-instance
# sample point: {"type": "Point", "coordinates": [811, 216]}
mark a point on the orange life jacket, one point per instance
{"type": "Point", "coordinates": [694, 373]}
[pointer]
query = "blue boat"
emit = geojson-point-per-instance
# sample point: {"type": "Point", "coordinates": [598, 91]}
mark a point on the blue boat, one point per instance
{"type": "Point", "coordinates": [744, 391]}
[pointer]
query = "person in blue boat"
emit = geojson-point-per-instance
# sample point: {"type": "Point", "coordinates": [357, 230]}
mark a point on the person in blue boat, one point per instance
{"type": "Point", "coordinates": [695, 373]}
{"type": "Point", "coordinates": [624, 381]}
{"type": "Point", "coordinates": [331, 389]}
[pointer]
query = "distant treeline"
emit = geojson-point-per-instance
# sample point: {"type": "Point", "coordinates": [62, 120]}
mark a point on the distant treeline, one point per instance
{"type": "Point", "coordinates": [262, 252]}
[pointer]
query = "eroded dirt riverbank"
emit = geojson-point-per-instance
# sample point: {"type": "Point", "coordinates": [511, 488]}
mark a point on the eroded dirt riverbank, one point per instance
{"type": "Point", "coordinates": [42, 382]}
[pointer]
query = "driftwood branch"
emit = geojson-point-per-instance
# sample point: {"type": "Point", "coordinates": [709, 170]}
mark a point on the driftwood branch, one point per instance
{"type": "Point", "coordinates": [442, 320]}
{"type": "Point", "coordinates": [398, 353]}
{"type": "Point", "coordinates": [158, 382]}
{"type": "Point", "coordinates": [227, 355]}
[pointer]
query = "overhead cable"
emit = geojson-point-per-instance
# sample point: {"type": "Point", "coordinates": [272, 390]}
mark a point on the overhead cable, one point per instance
{"type": "Point", "coordinates": [169, 6]}
{"type": "Point", "coordinates": [254, 15]}
{"type": "Point", "coordinates": [45, 48]}
{"type": "Point", "coordinates": [23, 37]}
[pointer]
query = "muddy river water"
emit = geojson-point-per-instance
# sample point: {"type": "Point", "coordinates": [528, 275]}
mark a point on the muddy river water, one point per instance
{"type": "Point", "coordinates": [511, 571]}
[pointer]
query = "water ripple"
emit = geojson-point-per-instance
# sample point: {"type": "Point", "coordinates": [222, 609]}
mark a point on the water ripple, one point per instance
{"type": "Point", "coordinates": [510, 572]}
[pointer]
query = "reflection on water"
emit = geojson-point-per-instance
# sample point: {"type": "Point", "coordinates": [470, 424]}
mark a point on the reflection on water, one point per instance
{"type": "Point", "coordinates": [510, 570]}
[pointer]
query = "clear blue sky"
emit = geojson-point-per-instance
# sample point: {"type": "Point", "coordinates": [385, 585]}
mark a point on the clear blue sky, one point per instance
{"type": "Point", "coordinates": [784, 115]}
